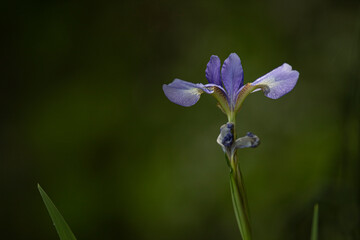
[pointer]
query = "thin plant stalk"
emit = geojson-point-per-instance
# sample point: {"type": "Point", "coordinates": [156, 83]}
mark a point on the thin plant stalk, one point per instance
{"type": "Point", "coordinates": [239, 200]}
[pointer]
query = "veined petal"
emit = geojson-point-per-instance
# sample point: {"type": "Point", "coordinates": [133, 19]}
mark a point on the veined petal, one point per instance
{"type": "Point", "coordinates": [220, 95]}
{"type": "Point", "coordinates": [242, 93]}
{"type": "Point", "coordinates": [212, 71]}
{"type": "Point", "coordinates": [184, 93]}
{"type": "Point", "coordinates": [278, 82]}
{"type": "Point", "coordinates": [216, 88]}
{"type": "Point", "coordinates": [232, 75]}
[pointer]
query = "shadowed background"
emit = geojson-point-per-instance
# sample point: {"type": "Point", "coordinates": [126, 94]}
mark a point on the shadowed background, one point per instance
{"type": "Point", "coordinates": [84, 115]}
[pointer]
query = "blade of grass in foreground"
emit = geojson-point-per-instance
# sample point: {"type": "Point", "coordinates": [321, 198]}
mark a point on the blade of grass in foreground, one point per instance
{"type": "Point", "coordinates": [61, 226]}
{"type": "Point", "coordinates": [315, 223]}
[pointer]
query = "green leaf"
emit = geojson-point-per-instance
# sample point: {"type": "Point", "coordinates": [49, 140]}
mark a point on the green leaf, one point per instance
{"type": "Point", "coordinates": [240, 203]}
{"type": "Point", "coordinates": [315, 223]}
{"type": "Point", "coordinates": [61, 226]}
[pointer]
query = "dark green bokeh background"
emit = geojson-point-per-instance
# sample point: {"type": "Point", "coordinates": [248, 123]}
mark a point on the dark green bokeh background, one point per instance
{"type": "Point", "coordinates": [84, 115]}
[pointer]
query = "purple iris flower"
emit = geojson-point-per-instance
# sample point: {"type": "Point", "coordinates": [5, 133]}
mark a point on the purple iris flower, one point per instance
{"type": "Point", "coordinates": [227, 85]}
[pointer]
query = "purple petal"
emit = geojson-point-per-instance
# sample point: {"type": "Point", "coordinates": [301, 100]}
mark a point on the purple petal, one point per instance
{"type": "Point", "coordinates": [232, 75]}
{"type": "Point", "coordinates": [184, 93]}
{"type": "Point", "coordinates": [212, 71]}
{"type": "Point", "coordinates": [278, 82]}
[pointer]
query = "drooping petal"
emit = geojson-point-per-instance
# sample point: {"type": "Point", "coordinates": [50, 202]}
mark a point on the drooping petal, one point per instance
{"type": "Point", "coordinates": [232, 76]}
{"type": "Point", "coordinates": [212, 71]}
{"type": "Point", "coordinates": [278, 82]}
{"type": "Point", "coordinates": [184, 93]}
{"type": "Point", "coordinates": [248, 141]}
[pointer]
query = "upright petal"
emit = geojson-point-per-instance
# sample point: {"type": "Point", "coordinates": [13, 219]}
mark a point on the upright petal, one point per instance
{"type": "Point", "coordinates": [212, 71]}
{"type": "Point", "coordinates": [278, 82]}
{"type": "Point", "coordinates": [184, 93]}
{"type": "Point", "coordinates": [232, 76]}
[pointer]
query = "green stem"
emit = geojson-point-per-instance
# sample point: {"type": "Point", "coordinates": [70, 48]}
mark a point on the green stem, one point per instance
{"type": "Point", "coordinates": [239, 200]}
{"type": "Point", "coordinates": [231, 117]}
{"type": "Point", "coordinates": [315, 223]}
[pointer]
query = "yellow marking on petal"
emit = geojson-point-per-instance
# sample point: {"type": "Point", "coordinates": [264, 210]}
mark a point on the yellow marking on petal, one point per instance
{"type": "Point", "coordinates": [194, 91]}
{"type": "Point", "coordinates": [245, 91]}
{"type": "Point", "coordinates": [220, 96]}
{"type": "Point", "coordinates": [267, 84]}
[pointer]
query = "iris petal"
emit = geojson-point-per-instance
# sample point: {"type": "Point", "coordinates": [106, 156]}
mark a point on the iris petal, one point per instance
{"type": "Point", "coordinates": [232, 75]}
{"type": "Point", "coordinates": [278, 82]}
{"type": "Point", "coordinates": [212, 71]}
{"type": "Point", "coordinates": [184, 93]}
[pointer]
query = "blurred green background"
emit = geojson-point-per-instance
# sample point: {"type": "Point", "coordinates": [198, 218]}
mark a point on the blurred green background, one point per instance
{"type": "Point", "coordinates": [84, 115]}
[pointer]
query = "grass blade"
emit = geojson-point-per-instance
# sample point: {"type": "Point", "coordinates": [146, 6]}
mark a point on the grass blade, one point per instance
{"type": "Point", "coordinates": [61, 226]}
{"type": "Point", "coordinates": [315, 223]}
